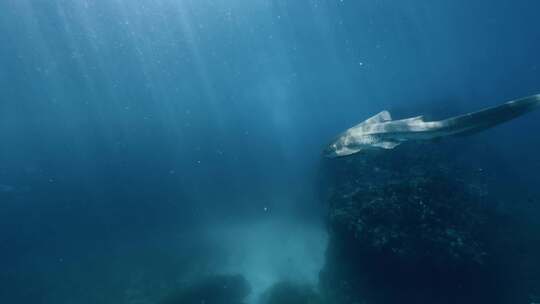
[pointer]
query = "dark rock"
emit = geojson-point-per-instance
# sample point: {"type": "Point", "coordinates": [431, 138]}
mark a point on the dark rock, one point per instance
{"type": "Point", "coordinates": [417, 225]}
{"type": "Point", "coordinates": [290, 293]}
{"type": "Point", "coordinates": [218, 289]}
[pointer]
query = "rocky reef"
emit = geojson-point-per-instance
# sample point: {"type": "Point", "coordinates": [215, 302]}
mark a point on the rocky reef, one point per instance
{"type": "Point", "coordinates": [419, 224]}
{"type": "Point", "coordinates": [216, 289]}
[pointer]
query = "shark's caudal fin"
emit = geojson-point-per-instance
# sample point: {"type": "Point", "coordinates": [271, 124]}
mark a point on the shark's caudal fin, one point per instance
{"type": "Point", "coordinates": [490, 117]}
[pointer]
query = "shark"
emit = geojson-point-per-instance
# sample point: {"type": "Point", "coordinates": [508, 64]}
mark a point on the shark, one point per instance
{"type": "Point", "coordinates": [383, 133]}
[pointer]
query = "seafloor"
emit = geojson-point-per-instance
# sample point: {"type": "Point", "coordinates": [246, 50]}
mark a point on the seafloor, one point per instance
{"type": "Point", "coordinates": [423, 223]}
{"type": "Point", "coordinates": [420, 224]}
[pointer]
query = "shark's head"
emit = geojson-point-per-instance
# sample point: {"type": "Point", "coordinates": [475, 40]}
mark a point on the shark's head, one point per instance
{"type": "Point", "coordinates": [341, 146]}
{"type": "Point", "coordinates": [355, 139]}
{"type": "Point", "coordinates": [331, 150]}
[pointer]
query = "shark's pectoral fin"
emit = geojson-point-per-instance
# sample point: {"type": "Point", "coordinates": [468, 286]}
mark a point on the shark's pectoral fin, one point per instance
{"type": "Point", "coordinates": [387, 144]}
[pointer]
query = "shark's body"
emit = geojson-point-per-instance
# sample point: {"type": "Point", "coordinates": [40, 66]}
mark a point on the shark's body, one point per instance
{"type": "Point", "coordinates": [381, 132]}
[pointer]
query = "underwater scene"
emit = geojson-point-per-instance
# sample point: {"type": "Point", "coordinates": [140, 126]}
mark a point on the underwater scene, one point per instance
{"type": "Point", "coordinates": [269, 151]}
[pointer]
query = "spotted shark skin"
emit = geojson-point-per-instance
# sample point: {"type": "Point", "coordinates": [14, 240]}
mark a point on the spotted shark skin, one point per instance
{"type": "Point", "coordinates": [381, 132]}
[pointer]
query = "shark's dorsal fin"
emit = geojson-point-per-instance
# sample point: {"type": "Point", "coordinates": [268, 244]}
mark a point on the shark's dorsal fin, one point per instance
{"type": "Point", "coordinates": [417, 118]}
{"type": "Point", "coordinates": [381, 117]}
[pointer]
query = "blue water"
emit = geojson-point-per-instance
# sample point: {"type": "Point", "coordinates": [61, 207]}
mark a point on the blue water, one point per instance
{"type": "Point", "coordinates": [145, 142]}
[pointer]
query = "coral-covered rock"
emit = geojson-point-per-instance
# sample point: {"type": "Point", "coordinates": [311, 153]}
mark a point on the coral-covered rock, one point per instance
{"type": "Point", "coordinates": [416, 225]}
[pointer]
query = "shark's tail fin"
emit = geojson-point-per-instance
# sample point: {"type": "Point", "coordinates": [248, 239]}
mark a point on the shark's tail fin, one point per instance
{"type": "Point", "coordinates": [490, 117]}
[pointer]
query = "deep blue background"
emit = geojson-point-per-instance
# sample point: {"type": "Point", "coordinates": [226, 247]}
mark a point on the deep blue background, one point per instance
{"type": "Point", "coordinates": [126, 120]}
